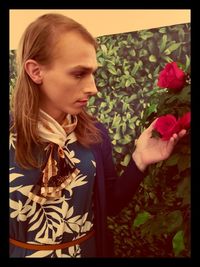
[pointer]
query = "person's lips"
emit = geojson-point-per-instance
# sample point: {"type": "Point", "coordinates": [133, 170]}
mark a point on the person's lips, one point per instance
{"type": "Point", "coordinates": [82, 101]}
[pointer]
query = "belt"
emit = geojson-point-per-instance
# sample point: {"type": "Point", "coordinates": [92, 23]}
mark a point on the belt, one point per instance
{"type": "Point", "coordinates": [52, 247]}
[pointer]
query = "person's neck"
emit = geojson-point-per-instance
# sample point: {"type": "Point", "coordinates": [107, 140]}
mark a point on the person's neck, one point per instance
{"type": "Point", "coordinates": [58, 117]}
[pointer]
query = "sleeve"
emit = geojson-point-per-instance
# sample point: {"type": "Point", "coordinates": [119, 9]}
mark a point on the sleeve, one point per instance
{"type": "Point", "coordinates": [119, 190]}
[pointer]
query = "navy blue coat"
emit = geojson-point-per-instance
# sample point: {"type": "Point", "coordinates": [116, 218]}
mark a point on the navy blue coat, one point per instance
{"type": "Point", "coordinates": [112, 193]}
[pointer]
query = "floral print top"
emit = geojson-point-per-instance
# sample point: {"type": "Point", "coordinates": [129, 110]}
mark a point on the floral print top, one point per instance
{"type": "Point", "coordinates": [56, 221]}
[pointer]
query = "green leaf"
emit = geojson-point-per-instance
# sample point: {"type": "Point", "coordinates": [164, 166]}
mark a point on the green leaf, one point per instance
{"type": "Point", "coordinates": [132, 52]}
{"type": "Point", "coordinates": [152, 108]}
{"type": "Point", "coordinates": [143, 53]}
{"type": "Point", "coordinates": [116, 121]}
{"type": "Point", "coordinates": [119, 72]}
{"type": "Point", "coordinates": [156, 71]}
{"type": "Point", "coordinates": [91, 100]}
{"type": "Point", "coordinates": [112, 70]}
{"type": "Point", "coordinates": [152, 58]}
{"type": "Point", "coordinates": [126, 139]}
{"type": "Point", "coordinates": [130, 81]}
{"type": "Point", "coordinates": [104, 48]}
{"type": "Point", "coordinates": [125, 107]}
{"type": "Point", "coordinates": [126, 160]}
{"type": "Point", "coordinates": [118, 149]}
{"type": "Point", "coordinates": [114, 142]}
{"type": "Point", "coordinates": [137, 66]}
{"type": "Point", "coordinates": [101, 61]}
{"type": "Point", "coordinates": [103, 75]}
{"type": "Point", "coordinates": [172, 48]}
{"type": "Point", "coordinates": [131, 98]}
{"type": "Point", "coordinates": [163, 43]}
{"type": "Point", "coordinates": [141, 218]}
{"type": "Point", "coordinates": [117, 136]}
{"type": "Point", "coordinates": [187, 64]}
{"type": "Point", "coordinates": [145, 34]}
{"type": "Point", "coordinates": [168, 59]}
{"type": "Point", "coordinates": [178, 242]}
{"type": "Point", "coordinates": [162, 30]}
{"type": "Point", "coordinates": [111, 62]}
{"type": "Point", "coordinates": [101, 83]}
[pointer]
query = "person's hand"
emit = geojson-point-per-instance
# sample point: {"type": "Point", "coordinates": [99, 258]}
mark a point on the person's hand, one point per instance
{"type": "Point", "coordinates": [151, 150]}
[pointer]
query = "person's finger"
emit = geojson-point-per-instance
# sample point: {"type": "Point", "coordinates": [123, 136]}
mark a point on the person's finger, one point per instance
{"type": "Point", "coordinates": [173, 138]}
{"type": "Point", "coordinates": [182, 133]}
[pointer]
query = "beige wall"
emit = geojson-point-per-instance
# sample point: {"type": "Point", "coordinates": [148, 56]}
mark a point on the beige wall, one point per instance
{"type": "Point", "coordinates": [102, 21]}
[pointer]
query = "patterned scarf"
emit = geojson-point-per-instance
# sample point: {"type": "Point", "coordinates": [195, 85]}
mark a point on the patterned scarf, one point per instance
{"type": "Point", "coordinates": [58, 170]}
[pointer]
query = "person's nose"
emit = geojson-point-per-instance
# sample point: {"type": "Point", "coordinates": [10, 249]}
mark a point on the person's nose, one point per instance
{"type": "Point", "coordinates": [90, 86]}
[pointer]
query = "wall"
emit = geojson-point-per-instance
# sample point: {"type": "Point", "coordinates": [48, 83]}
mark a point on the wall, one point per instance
{"type": "Point", "coordinates": [98, 21]}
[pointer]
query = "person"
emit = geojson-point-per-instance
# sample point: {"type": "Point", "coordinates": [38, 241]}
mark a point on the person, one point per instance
{"type": "Point", "coordinates": [63, 182]}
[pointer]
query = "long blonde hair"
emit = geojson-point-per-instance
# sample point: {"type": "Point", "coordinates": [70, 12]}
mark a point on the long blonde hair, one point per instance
{"type": "Point", "coordinates": [36, 43]}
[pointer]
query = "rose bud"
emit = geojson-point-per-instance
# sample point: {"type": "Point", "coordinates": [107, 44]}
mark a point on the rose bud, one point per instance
{"type": "Point", "coordinates": [172, 77]}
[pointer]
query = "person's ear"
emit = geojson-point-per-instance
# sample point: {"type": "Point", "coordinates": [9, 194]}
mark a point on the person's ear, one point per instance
{"type": "Point", "coordinates": [33, 69]}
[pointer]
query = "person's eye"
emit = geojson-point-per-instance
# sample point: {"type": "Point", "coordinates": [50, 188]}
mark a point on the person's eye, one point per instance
{"type": "Point", "coordinates": [79, 75]}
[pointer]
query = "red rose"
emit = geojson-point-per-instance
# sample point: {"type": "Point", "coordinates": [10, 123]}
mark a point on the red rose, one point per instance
{"type": "Point", "coordinates": [172, 77]}
{"type": "Point", "coordinates": [184, 121]}
{"type": "Point", "coordinates": [167, 125]}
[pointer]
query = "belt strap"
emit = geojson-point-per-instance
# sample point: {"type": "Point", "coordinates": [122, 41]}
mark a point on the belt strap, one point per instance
{"type": "Point", "coordinates": [52, 247]}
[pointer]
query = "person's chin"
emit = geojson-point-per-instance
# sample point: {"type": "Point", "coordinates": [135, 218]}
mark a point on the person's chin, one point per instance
{"type": "Point", "coordinates": [75, 111]}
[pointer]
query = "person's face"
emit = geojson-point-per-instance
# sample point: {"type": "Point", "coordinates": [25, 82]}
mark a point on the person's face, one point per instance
{"type": "Point", "coordinates": [68, 84]}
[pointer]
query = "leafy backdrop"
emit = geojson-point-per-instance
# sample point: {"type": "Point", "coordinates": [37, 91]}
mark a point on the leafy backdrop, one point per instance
{"type": "Point", "coordinates": [156, 223]}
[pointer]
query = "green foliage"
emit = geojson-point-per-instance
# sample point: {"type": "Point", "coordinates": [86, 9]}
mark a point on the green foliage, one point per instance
{"type": "Point", "coordinates": [178, 242]}
{"type": "Point", "coordinates": [141, 218]}
{"type": "Point", "coordinates": [128, 100]}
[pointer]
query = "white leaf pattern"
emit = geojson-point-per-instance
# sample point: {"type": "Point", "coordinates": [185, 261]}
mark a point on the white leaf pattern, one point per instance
{"type": "Point", "coordinates": [13, 204]}
{"type": "Point", "coordinates": [59, 229]}
{"type": "Point", "coordinates": [78, 181]}
{"type": "Point", "coordinates": [36, 224]}
{"type": "Point", "coordinates": [35, 216]}
{"type": "Point", "coordinates": [71, 138]}
{"type": "Point", "coordinates": [56, 209]}
{"type": "Point", "coordinates": [86, 227]}
{"type": "Point", "coordinates": [25, 190]}
{"type": "Point", "coordinates": [14, 176]}
{"type": "Point", "coordinates": [75, 227]}
{"type": "Point", "coordinates": [71, 154]}
{"type": "Point", "coordinates": [12, 140]}
{"type": "Point", "coordinates": [70, 212]}
{"type": "Point", "coordinates": [74, 251]}
{"type": "Point", "coordinates": [40, 254]}
{"type": "Point", "coordinates": [94, 163]}
{"type": "Point", "coordinates": [67, 229]}
{"type": "Point", "coordinates": [13, 189]}
{"type": "Point", "coordinates": [54, 215]}
{"type": "Point", "coordinates": [32, 210]}
{"type": "Point", "coordinates": [58, 253]}
{"type": "Point", "coordinates": [38, 235]}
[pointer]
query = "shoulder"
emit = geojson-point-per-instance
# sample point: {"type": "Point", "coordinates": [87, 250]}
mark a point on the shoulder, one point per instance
{"type": "Point", "coordinates": [102, 128]}
{"type": "Point", "coordinates": [106, 141]}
